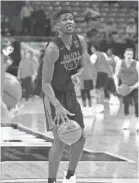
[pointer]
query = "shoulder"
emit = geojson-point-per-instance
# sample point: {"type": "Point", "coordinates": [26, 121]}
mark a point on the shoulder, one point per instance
{"type": "Point", "coordinates": [52, 48]}
{"type": "Point", "coordinates": [81, 38]}
{"type": "Point", "coordinates": [93, 56]}
{"type": "Point", "coordinates": [117, 59]}
{"type": "Point", "coordinates": [24, 8]}
{"type": "Point", "coordinates": [105, 55]}
{"type": "Point", "coordinates": [51, 52]}
{"type": "Point", "coordinates": [137, 65]}
{"type": "Point", "coordinates": [83, 42]}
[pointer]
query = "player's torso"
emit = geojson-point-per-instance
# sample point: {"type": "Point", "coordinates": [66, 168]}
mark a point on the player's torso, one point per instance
{"type": "Point", "coordinates": [128, 74]}
{"type": "Point", "coordinates": [101, 63]}
{"type": "Point", "coordinates": [66, 64]}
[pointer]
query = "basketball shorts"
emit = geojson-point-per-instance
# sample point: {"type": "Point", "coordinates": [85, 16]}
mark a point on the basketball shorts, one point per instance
{"type": "Point", "coordinates": [133, 96]}
{"type": "Point", "coordinates": [111, 86]}
{"type": "Point", "coordinates": [88, 84]}
{"type": "Point", "coordinates": [69, 102]}
{"type": "Point", "coordinates": [102, 79]}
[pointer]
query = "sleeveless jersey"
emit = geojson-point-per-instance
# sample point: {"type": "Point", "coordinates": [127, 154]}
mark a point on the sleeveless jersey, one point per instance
{"type": "Point", "coordinates": [67, 64]}
{"type": "Point", "coordinates": [128, 75]}
{"type": "Point", "coordinates": [102, 64]}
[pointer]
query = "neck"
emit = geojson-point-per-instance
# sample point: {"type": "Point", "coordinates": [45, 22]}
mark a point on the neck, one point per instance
{"type": "Point", "coordinates": [67, 39]}
{"type": "Point", "coordinates": [128, 61]}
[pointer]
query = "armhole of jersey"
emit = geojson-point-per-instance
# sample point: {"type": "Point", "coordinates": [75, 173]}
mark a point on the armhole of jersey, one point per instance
{"type": "Point", "coordinates": [76, 36]}
{"type": "Point", "coordinates": [55, 44]}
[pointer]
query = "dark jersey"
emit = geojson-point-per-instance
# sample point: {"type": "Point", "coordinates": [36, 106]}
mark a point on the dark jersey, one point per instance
{"type": "Point", "coordinates": [67, 64]}
{"type": "Point", "coordinates": [128, 75]}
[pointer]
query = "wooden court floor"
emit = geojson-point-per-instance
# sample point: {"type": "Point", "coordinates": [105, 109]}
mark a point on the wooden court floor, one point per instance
{"type": "Point", "coordinates": [104, 134]}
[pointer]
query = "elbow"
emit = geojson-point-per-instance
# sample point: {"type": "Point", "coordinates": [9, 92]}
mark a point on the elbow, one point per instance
{"type": "Point", "coordinates": [45, 86]}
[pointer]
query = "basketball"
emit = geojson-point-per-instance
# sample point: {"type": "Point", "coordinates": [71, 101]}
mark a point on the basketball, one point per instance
{"type": "Point", "coordinates": [124, 90]}
{"type": "Point", "coordinates": [12, 91]}
{"type": "Point", "coordinates": [69, 132]}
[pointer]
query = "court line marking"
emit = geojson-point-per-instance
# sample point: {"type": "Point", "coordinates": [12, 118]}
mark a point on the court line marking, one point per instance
{"type": "Point", "coordinates": [85, 149]}
{"type": "Point", "coordinates": [78, 180]}
{"type": "Point", "coordinates": [118, 156]}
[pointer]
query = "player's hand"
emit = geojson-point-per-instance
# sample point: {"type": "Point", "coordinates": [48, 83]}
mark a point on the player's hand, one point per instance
{"type": "Point", "coordinates": [76, 80]}
{"type": "Point", "coordinates": [117, 87]}
{"type": "Point", "coordinates": [33, 78]}
{"type": "Point", "coordinates": [61, 114]}
{"type": "Point", "coordinates": [132, 88]}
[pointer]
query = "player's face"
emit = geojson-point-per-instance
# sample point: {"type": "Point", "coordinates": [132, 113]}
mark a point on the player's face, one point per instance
{"type": "Point", "coordinates": [93, 50]}
{"type": "Point", "coordinates": [128, 55]}
{"type": "Point", "coordinates": [109, 52]}
{"type": "Point", "coordinates": [28, 56]}
{"type": "Point", "coordinates": [66, 23]}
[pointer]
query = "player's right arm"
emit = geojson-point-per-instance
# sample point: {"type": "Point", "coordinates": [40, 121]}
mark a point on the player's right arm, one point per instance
{"type": "Point", "coordinates": [50, 57]}
{"type": "Point", "coordinates": [116, 74]}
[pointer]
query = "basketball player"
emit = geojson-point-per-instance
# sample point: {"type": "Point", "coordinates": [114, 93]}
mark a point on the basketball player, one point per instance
{"type": "Point", "coordinates": [112, 60]}
{"type": "Point", "coordinates": [63, 64]}
{"type": "Point", "coordinates": [100, 61]}
{"type": "Point", "coordinates": [128, 71]}
{"type": "Point", "coordinates": [6, 49]}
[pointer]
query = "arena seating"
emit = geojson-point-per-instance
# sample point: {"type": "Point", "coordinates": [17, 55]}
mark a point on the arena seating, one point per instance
{"type": "Point", "coordinates": [119, 12]}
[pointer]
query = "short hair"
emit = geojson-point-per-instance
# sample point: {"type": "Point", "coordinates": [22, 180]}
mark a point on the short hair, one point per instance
{"type": "Point", "coordinates": [129, 49]}
{"type": "Point", "coordinates": [112, 50]}
{"type": "Point", "coordinates": [63, 11]}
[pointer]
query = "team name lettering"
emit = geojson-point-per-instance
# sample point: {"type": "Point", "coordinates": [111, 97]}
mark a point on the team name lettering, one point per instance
{"type": "Point", "coordinates": [71, 57]}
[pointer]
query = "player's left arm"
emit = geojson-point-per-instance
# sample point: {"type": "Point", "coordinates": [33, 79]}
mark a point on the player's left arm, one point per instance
{"type": "Point", "coordinates": [75, 77]}
{"type": "Point", "coordinates": [136, 85]}
{"type": "Point", "coordinates": [84, 55]}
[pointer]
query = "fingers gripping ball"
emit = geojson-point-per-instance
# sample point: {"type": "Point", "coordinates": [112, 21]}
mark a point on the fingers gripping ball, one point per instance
{"type": "Point", "coordinates": [69, 132]}
{"type": "Point", "coordinates": [124, 90]}
{"type": "Point", "coordinates": [12, 91]}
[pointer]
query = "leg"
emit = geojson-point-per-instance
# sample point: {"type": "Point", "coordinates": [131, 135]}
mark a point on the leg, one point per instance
{"type": "Point", "coordinates": [76, 152]}
{"type": "Point", "coordinates": [106, 94]}
{"type": "Point", "coordinates": [126, 101]}
{"type": "Point", "coordinates": [111, 86]}
{"type": "Point", "coordinates": [83, 97]}
{"type": "Point", "coordinates": [135, 99]}
{"type": "Point", "coordinates": [29, 87]}
{"type": "Point", "coordinates": [25, 89]}
{"type": "Point", "coordinates": [88, 97]}
{"type": "Point", "coordinates": [54, 156]}
{"type": "Point", "coordinates": [98, 87]}
{"type": "Point", "coordinates": [77, 148]}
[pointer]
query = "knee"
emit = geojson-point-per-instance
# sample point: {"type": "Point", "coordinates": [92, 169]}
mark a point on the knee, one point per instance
{"type": "Point", "coordinates": [83, 138]}
{"type": "Point", "coordinates": [57, 147]}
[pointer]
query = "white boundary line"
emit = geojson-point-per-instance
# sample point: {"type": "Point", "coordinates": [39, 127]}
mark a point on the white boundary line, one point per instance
{"type": "Point", "coordinates": [78, 180]}
{"type": "Point", "coordinates": [85, 149]}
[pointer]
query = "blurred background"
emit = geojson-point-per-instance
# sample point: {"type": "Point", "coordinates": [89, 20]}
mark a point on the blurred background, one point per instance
{"type": "Point", "coordinates": [29, 25]}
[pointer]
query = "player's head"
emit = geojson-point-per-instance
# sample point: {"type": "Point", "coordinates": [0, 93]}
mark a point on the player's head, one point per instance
{"type": "Point", "coordinates": [128, 54]}
{"type": "Point", "coordinates": [94, 48]}
{"type": "Point", "coordinates": [65, 21]}
{"type": "Point", "coordinates": [110, 52]}
{"type": "Point", "coordinates": [28, 56]}
{"type": "Point", "coordinates": [6, 47]}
